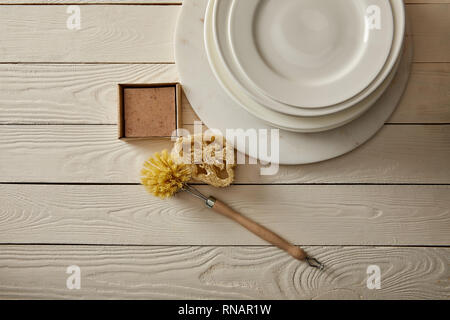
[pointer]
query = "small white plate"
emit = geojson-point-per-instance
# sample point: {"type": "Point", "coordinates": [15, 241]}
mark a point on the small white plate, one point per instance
{"type": "Point", "coordinates": [310, 53]}
{"type": "Point", "coordinates": [220, 18]}
{"type": "Point", "coordinates": [221, 37]}
{"type": "Point", "coordinates": [282, 121]}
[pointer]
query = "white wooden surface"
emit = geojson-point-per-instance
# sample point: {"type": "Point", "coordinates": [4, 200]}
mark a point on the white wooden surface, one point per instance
{"type": "Point", "coordinates": [85, 93]}
{"type": "Point", "coordinates": [69, 190]}
{"type": "Point", "coordinates": [221, 272]}
{"type": "Point", "coordinates": [305, 214]}
{"type": "Point", "coordinates": [79, 153]}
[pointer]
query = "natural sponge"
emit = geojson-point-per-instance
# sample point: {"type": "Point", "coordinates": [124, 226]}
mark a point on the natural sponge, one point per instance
{"type": "Point", "coordinates": [210, 158]}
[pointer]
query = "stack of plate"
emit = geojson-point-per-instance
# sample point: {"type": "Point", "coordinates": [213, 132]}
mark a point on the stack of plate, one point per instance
{"type": "Point", "coordinates": [326, 74]}
{"type": "Point", "coordinates": [304, 65]}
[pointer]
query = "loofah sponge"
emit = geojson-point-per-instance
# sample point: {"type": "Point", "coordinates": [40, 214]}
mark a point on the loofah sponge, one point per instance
{"type": "Point", "coordinates": [162, 176]}
{"type": "Point", "coordinates": [213, 168]}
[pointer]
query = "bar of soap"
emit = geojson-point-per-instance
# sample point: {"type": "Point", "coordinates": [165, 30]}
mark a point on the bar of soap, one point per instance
{"type": "Point", "coordinates": [149, 112]}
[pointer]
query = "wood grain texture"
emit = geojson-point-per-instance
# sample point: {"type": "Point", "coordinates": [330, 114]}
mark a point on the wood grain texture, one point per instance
{"type": "Point", "coordinates": [75, 153]}
{"type": "Point", "coordinates": [155, 1]}
{"type": "Point", "coordinates": [425, 1]}
{"type": "Point", "coordinates": [121, 2]}
{"type": "Point", "coordinates": [312, 215]}
{"type": "Point", "coordinates": [426, 99]}
{"type": "Point", "coordinates": [427, 96]}
{"type": "Point", "coordinates": [78, 153]}
{"type": "Point", "coordinates": [397, 154]}
{"type": "Point", "coordinates": [71, 94]}
{"type": "Point", "coordinates": [108, 34]}
{"type": "Point", "coordinates": [145, 33]}
{"type": "Point", "coordinates": [87, 93]}
{"type": "Point", "coordinates": [430, 26]}
{"type": "Point", "coordinates": [39, 272]}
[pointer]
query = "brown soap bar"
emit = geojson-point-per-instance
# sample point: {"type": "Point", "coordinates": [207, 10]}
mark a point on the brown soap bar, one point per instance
{"type": "Point", "coordinates": [149, 112]}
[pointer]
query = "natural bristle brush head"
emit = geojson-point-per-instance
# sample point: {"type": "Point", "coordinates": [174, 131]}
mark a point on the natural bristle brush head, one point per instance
{"type": "Point", "coordinates": [163, 177]}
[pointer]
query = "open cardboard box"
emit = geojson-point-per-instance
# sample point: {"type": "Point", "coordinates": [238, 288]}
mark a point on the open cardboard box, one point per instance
{"type": "Point", "coordinates": [148, 111]}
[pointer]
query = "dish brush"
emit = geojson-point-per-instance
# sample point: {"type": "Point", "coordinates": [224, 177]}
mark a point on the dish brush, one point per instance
{"type": "Point", "coordinates": [163, 177]}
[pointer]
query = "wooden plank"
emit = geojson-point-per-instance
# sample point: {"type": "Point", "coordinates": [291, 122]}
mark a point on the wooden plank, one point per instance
{"type": "Point", "coordinates": [430, 26]}
{"type": "Point", "coordinates": [108, 33]}
{"type": "Point", "coordinates": [79, 153]}
{"type": "Point", "coordinates": [145, 33]}
{"type": "Point", "coordinates": [397, 154]}
{"type": "Point", "coordinates": [72, 152]}
{"type": "Point", "coordinates": [425, 1]}
{"type": "Point", "coordinates": [86, 93]}
{"type": "Point", "coordinates": [156, 1]}
{"type": "Point", "coordinates": [39, 272]}
{"type": "Point", "coordinates": [121, 2]}
{"type": "Point", "coordinates": [427, 97]}
{"type": "Point", "coordinates": [312, 215]}
{"type": "Point", "coordinates": [429, 19]}
{"type": "Point", "coordinates": [71, 94]}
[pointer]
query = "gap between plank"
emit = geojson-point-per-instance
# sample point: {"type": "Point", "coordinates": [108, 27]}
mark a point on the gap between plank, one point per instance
{"type": "Point", "coordinates": [218, 246]}
{"type": "Point", "coordinates": [233, 184]}
{"type": "Point", "coordinates": [191, 124]}
{"type": "Point", "coordinates": [57, 63]}
{"type": "Point", "coordinates": [93, 4]}
{"type": "Point", "coordinates": [145, 62]}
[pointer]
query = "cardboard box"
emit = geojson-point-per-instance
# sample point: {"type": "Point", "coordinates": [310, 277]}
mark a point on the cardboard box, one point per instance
{"type": "Point", "coordinates": [148, 111]}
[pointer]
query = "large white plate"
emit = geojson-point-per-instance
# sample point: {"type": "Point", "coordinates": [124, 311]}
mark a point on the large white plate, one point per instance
{"type": "Point", "coordinates": [279, 120]}
{"type": "Point", "coordinates": [220, 25]}
{"type": "Point", "coordinates": [311, 53]}
{"type": "Point", "coordinates": [217, 110]}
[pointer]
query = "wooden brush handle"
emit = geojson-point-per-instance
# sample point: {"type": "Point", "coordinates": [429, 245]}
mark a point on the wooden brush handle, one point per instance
{"type": "Point", "coordinates": [257, 229]}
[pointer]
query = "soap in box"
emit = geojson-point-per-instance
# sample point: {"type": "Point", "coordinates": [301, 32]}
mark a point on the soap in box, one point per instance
{"type": "Point", "coordinates": [149, 110]}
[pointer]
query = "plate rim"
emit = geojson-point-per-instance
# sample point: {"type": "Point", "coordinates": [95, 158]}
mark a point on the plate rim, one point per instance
{"type": "Point", "coordinates": [276, 119]}
{"type": "Point", "coordinates": [297, 111]}
{"type": "Point", "coordinates": [247, 58]}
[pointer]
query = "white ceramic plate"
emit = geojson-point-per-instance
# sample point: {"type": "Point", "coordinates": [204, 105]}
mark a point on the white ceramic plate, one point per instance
{"type": "Point", "coordinates": [217, 110]}
{"type": "Point", "coordinates": [282, 121]}
{"type": "Point", "coordinates": [220, 26]}
{"type": "Point", "coordinates": [311, 53]}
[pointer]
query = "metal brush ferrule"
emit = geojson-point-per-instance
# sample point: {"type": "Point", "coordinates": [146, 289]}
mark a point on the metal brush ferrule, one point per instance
{"type": "Point", "coordinates": [210, 202]}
